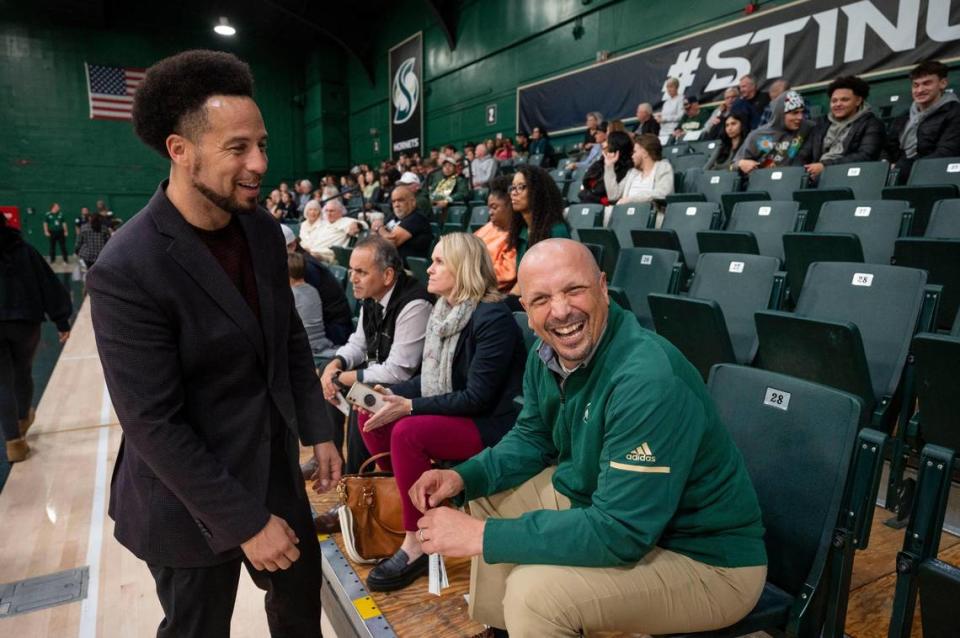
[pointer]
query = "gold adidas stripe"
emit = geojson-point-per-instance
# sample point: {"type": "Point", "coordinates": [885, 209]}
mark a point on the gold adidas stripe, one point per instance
{"type": "Point", "coordinates": [648, 469]}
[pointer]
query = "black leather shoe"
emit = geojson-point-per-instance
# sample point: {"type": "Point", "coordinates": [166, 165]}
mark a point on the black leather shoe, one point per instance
{"type": "Point", "coordinates": [328, 522]}
{"type": "Point", "coordinates": [397, 572]}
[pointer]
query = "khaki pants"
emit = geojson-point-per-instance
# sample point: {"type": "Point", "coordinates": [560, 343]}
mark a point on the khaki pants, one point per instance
{"type": "Point", "coordinates": [664, 593]}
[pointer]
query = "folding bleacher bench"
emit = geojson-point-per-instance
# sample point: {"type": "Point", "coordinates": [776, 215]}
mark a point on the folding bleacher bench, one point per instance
{"type": "Point", "coordinates": [641, 271]}
{"type": "Point", "coordinates": [811, 470]}
{"type": "Point", "coordinates": [479, 216]}
{"type": "Point", "coordinates": [851, 330]}
{"type": "Point", "coordinates": [714, 324]}
{"type": "Point", "coordinates": [767, 184]}
{"type": "Point", "coordinates": [930, 180]}
{"type": "Point", "coordinates": [681, 222]}
{"type": "Point", "coordinates": [851, 231]}
{"type": "Point", "coordinates": [754, 228]}
{"type": "Point", "coordinates": [937, 252]}
{"type": "Point", "coordinates": [938, 429]}
{"type": "Point", "coordinates": [584, 216]}
{"type": "Point", "coordinates": [859, 180]}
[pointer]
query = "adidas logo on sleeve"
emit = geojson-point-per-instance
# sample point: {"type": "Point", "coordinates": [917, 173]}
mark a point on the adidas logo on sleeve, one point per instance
{"type": "Point", "coordinates": [642, 453]}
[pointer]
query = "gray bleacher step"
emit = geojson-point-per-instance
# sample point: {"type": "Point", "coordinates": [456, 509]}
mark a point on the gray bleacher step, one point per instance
{"type": "Point", "coordinates": [42, 592]}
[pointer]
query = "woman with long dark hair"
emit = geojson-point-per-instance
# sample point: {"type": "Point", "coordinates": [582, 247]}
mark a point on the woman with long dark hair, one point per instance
{"type": "Point", "coordinates": [495, 234]}
{"type": "Point", "coordinates": [736, 126]}
{"type": "Point", "coordinates": [537, 209]}
{"type": "Point", "coordinates": [594, 189]}
{"type": "Point", "coordinates": [30, 292]}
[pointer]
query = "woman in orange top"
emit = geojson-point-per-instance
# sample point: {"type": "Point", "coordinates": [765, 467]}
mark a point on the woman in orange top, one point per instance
{"type": "Point", "coordinates": [495, 234]}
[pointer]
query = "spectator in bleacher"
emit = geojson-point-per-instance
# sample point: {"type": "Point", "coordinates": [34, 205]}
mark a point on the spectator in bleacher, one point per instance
{"type": "Point", "coordinates": [92, 238]}
{"type": "Point", "coordinates": [593, 189]}
{"type": "Point", "coordinates": [736, 127]}
{"type": "Point", "coordinates": [387, 346]}
{"type": "Point", "coordinates": [778, 142]}
{"type": "Point", "coordinates": [596, 150]}
{"type": "Point", "coordinates": [410, 232]}
{"type": "Point", "coordinates": [618, 502]}
{"type": "Point", "coordinates": [382, 190]}
{"type": "Point", "coordinates": [691, 125]}
{"type": "Point", "coordinates": [31, 291]}
{"type": "Point", "coordinates": [451, 187]}
{"type": "Point", "coordinates": [491, 145]}
{"type": "Point", "coordinates": [715, 125]}
{"type": "Point", "coordinates": [851, 132]}
{"type": "Point", "coordinates": [646, 122]}
{"type": "Point", "coordinates": [593, 123]}
{"type": "Point", "coordinates": [287, 208]}
{"type": "Point", "coordinates": [672, 109]}
{"type": "Point", "coordinates": [430, 174]}
{"type": "Point", "coordinates": [483, 167]}
{"type": "Point", "coordinates": [368, 182]}
{"type": "Point", "coordinates": [318, 236]}
{"type": "Point", "coordinates": [351, 191]}
{"type": "Point", "coordinates": [540, 145]}
{"type": "Point", "coordinates": [310, 308]}
{"type": "Point", "coordinates": [411, 182]}
{"type": "Point", "coordinates": [931, 128]}
{"type": "Point", "coordinates": [272, 202]}
{"type": "Point", "coordinates": [55, 228]}
{"type": "Point", "coordinates": [649, 178]}
{"type": "Point", "coordinates": [522, 144]}
{"type": "Point", "coordinates": [505, 150]}
{"type": "Point", "coordinates": [777, 88]}
{"type": "Point", "coordinates": [495, 234]}
{"type": "Point", "coordinates": [463, 399]}
{"type": "Point", "coordinates": [304, 195]}
{"type": "Point", "coordinates": [751, 102]}
{"type": "Point", "coordinates": [537, 209]}
{"type": "Point", "coordinates": [337, 318]}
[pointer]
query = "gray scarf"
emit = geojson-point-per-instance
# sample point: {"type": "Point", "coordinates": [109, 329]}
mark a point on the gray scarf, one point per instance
{"type": "Point", "coordinates": [908, 138]}
{"type": "Point", "coordinates": [837, 133]}
{"type": "Point", "coordinates": [440, 344]}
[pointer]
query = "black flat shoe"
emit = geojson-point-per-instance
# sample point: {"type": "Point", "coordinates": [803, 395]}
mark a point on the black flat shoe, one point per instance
{"type": "Point", "coordinates": [397, 572]}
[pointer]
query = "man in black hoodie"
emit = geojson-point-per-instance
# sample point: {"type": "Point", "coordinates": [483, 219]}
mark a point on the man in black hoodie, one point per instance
{"type": "Point", "coordinates": [931, 128]}
{"type": "Point", "coordinates": [28, 291]}
{"type": "Point", "coordinates": [851, 132]}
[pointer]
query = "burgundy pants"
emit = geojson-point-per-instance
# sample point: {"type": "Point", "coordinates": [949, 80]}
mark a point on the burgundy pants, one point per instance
{"type": "Point", "coordinates": [413, 442]}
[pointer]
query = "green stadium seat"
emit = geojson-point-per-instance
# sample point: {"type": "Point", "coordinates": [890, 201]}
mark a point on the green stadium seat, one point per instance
{"type": "Point", "coordinates": [676, 150]}
{"type": "Point", "coordinates": [778, 183]}
{"type": "Point", "coordinates": [773, 417]}
{"type": "Point", "coordinates": [681, 222]}
{"type": "Point", "coordinates": [611, 247]}
{"type": "Point", "coordinates": [851, 330]}
{"type": "Point", "coordinates": [687, 161]}
{"type": "Point", "coordinates": [941, 259]}
{"type": "Point", "coordinates": [641, 271]}
{"type": "Point", "coordinates": [458, 215]}
{"type": "Point", "coordinates": [418, 268]}
{"type": "Point", "coordinates": [535, 160]}
{"type": "Point", "coordinates": [478, 197]}
{"type": "Point", "coordinates": [529, 336]}
{"type": "Point", "coordinates": [754, 228]}
{"type": "Point", "coordinates": [713, 184]}
{"type": "Point", "coordinates": [561, 177]}
{"type": "Point", "coordinates": [446, 229]}
{"type": "Point", "coordinates": [850, 231]}
{"type": "Point", "coordinates": [939, 584]}
{"type": "Point", "coordinates": [340, 273]}
{"type": "Point", "coordinates": [931, 180]}
{"type": "Point", "coordinates": [597, 251]}
{"type": "Point", "coordinates": [294, 226]}
{"type": "Point", "coordinates": [341, 255]}
{"type": "Point", "coordinates": [944, 220]}
{"type": "Point", "coordinates": [860, 181]}
{"type": "Point", "coordinates": [704, 146]}
{"type": "Point", "coordinates": [715, 324]}
{"type": "Point", "coordinates": [573, 187]}
{"type": "Point", "coordinates": [352, 301]}
{"type": "Point", "coordinates": [479, 216]}
{"type": "Point", "coordinates": [626, 217]}
{"type": "Point", "coordinates": [584, 216]}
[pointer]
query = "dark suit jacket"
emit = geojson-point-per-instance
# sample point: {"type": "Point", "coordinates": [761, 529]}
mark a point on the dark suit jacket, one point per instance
{"type": "Point", "coordinates": [195, 381]}
{"type": "Point", "coordinates": [487, 374]}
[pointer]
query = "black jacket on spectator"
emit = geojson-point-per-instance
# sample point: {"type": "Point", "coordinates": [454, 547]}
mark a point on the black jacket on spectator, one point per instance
{"type": "Point", "coordinates": [487, 374]}
{"type": "Point", "coordinates": [937, 136]}
{"type": "Point", "coordinates": [336, 310]}
{"type": "Point", "coordinates": [199, 385]}
{"type": "Point", "coordinates": [379, 326]}
{"type": "Point", "coordinates": [28, 287]}
{"type": "Point", "coordinates": [650, 126]}
{"type": "Point", "coordinates": [864, 142]}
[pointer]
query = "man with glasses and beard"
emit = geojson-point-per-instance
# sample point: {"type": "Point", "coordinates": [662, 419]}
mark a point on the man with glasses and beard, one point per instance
{"type": "Point", "coordinates": [208, 365]}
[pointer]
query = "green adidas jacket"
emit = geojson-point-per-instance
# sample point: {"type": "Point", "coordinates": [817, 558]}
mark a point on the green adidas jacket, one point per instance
{"type": "Point", "coordinates": [640, 453]}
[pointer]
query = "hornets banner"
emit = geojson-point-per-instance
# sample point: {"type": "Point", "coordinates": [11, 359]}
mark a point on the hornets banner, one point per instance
{"type": "Point", "coordinates": [809, 42]}
{"type": "Point", "coordinates": [406, 96]}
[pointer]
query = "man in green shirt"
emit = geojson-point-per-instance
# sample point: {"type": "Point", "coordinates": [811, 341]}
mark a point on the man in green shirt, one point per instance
{"type": "Point", "coordinates": [618, 502]}
{"type": "Point", "coordinates": [55, 228]}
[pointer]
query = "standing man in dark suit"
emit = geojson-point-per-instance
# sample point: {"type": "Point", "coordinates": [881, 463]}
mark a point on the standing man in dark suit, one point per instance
{"type": "Point", "coordinates": [208, 365]}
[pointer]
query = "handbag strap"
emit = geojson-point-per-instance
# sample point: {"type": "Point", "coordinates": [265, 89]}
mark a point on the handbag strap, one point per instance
{"type": "Point", "coordinates": [372, 459]}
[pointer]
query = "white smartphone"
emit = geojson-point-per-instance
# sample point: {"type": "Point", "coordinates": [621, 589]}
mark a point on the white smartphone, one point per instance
{"type": "Point", "coordinates": [365, 397]}
{"type": "Point", "coordinates": [342, 404]}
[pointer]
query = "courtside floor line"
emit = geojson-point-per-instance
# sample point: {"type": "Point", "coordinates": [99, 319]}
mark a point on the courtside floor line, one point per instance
{"type": "Point", "coordinates": [346, 602]}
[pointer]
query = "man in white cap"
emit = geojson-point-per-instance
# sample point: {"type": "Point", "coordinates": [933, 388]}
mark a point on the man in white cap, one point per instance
{"type": "Point", "coordinates": [410, 180]}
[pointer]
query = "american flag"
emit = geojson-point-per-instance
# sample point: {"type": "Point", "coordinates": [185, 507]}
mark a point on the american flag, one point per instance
{"type": "Point", "coordinates": [111, 90]}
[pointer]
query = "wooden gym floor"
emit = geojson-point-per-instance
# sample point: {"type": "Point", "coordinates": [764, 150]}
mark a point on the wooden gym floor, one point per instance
{"type": "Point", "coordinates": [53, 514]}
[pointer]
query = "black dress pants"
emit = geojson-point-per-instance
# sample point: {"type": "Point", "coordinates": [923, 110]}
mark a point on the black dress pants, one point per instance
{"type": "Point", "coordinates": [18, 344]}
{"type": "Point", "coordinates": [55, 240]}
{"type": "Point", "coordinates": [198, 602]}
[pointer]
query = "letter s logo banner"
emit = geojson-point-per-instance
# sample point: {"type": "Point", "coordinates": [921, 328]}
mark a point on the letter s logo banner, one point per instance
{"type": "Point", "coordinates": [406, 92]}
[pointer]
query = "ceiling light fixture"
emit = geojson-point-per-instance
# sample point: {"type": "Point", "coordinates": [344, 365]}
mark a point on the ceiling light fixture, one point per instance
{"type": "Point", "coordinates": [224, 28]}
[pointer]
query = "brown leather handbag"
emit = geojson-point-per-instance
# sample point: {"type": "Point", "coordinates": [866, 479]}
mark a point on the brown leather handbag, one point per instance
{"type": "Point", "coordinates": [370, 514]}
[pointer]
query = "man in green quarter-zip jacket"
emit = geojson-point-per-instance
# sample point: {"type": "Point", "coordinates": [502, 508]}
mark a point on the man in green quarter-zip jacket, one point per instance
{"type": "Point", "coordinates": [618, 502]}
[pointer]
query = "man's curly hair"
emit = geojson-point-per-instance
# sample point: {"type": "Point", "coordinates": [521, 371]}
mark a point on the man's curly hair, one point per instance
{"type": "Point", "coordinates": [172, 95]}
